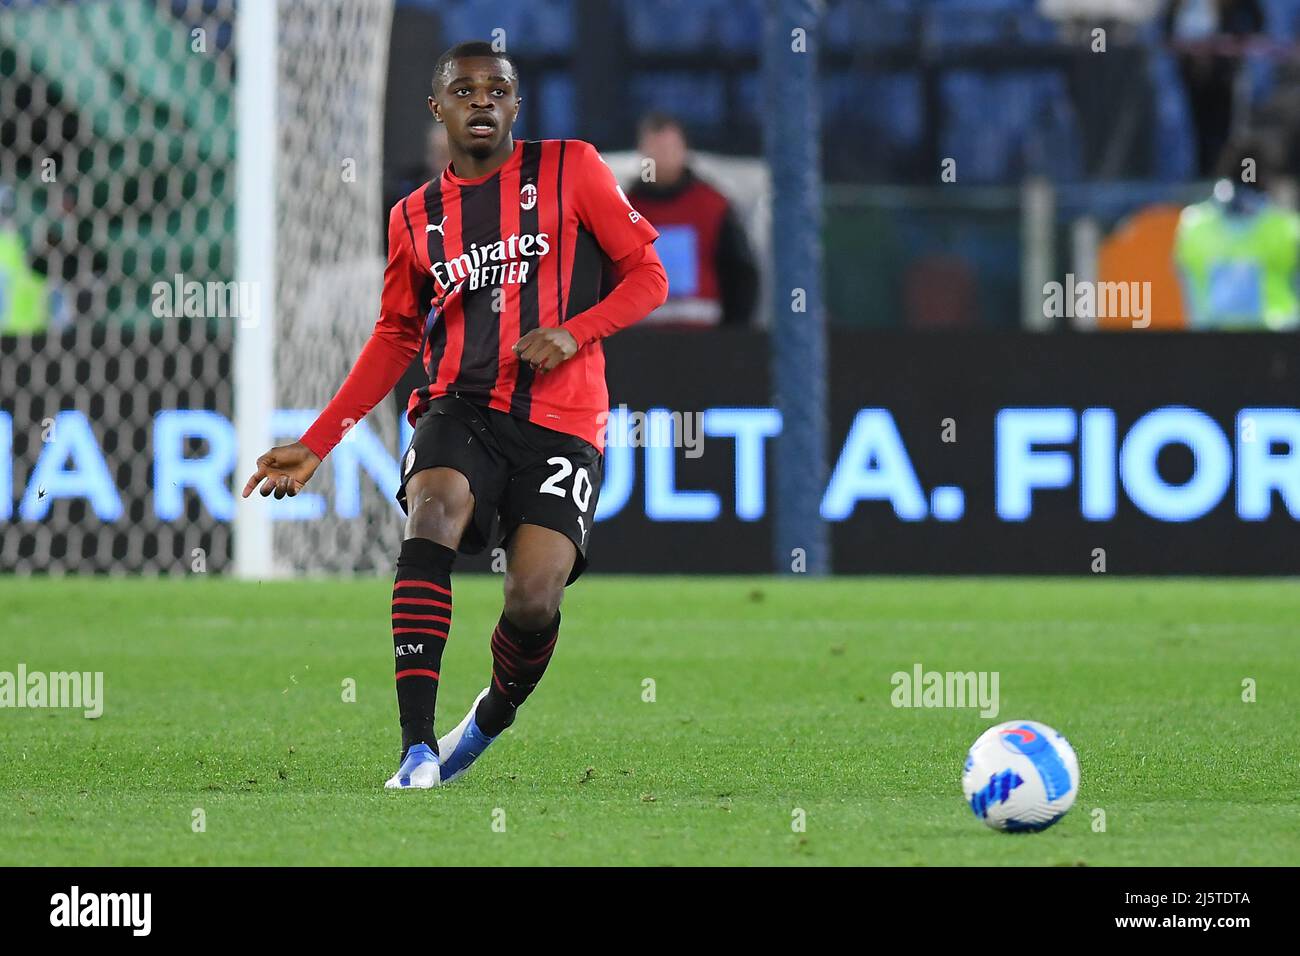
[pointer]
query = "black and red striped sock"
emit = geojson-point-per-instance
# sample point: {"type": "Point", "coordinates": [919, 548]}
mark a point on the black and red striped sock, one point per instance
{"type": "Point", "coordinates": [519, 660]}
{"type": "Point", "coordinates": [421, 622]}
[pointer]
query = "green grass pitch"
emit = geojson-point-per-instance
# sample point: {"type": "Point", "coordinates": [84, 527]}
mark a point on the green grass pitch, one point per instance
{"type": "Point", "coordinates": [771, 696]}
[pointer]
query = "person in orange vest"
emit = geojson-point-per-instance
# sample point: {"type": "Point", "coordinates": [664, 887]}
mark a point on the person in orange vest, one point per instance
{"type": "Point", "coordinates": [712, 274]}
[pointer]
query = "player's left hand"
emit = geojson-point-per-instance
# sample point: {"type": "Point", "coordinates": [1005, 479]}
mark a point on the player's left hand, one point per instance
{"type": "Point", "coordinates": [544, 349]}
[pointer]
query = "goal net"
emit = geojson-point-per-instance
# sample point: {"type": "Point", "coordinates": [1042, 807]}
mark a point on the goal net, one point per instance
{"type": "Point", "coordinates": [121, 298]}
{"type": "Point", "coordinates": [330, 226]}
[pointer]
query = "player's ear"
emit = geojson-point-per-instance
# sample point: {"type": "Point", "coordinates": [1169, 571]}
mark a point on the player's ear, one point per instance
{"type": "Point", "coordinates": [433, 108]}
{"type": "Point", "coordinates": [519, 101]}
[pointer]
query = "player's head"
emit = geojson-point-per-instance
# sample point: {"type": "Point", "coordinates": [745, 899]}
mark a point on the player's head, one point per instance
{"type": "Point", "coordinates": [660, 137]}
{"type": "Point", "coordinates": [475, 96]}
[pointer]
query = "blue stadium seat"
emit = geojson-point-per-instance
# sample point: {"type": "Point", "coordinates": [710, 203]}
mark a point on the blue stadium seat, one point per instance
{"type": "Point", "coordinates": [858, 25]}
{"type": "Point", "coordinates": [960, 22]}
{"type": "Point", "coordinates": [1282, 18]}
{"type": "Point", "coordinates": [883, 109]}
{"type": "Point", "coordinates": [888, 104]}
{"type": "Point", "coordinates": [750, 102]}
{"type": "Point", "coordinates": [548, 26]}
{"type": "Point", "coordinates": [1052, 144]}
{"type": "Point", "coordinates": [668, 25]}
{"type": "Point", "coordinates": [1000, 128]}
{"type": "Point", "coordinates": [738, 25]}
{"type": "Point", "coordinates": [705, 95]}
{"type": "Point", "coordinates": [559, 107]}
{"type": "Point", "coordinates": [974, 134]}
{"type": "Point", "coordinates": [531, 26]}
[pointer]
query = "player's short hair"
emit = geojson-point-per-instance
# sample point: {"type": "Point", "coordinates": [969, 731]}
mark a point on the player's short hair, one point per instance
{"type": "Point", "coordinates": [657, 121]}
{"type": "Point", "coordinates": [442, 68]}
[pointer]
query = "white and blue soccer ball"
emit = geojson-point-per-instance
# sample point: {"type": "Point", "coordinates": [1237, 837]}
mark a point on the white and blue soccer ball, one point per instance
{"type": "Point", "coordinates": [1020, 776]}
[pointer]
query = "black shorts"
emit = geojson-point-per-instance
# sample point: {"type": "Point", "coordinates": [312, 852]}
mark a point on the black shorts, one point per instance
{"type": "Point", "coordinates": [519, 472]}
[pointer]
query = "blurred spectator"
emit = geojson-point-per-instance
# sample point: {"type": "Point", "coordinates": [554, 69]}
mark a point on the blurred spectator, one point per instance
{"type": "Point", "coordinates": [712, 275]}
{"type": "Point", "coordinates": [23, 307]}
{"type": "Point", "coordinates": [1208, 35]}
{"type": "Point", "coordinates": [1237, 252]}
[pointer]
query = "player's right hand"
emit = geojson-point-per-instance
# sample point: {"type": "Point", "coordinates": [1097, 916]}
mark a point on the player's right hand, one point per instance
{"type": "Point", "coordinates": [284, 470]}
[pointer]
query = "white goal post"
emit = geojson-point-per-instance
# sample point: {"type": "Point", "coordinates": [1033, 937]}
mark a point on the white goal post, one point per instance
{"type": "Point", "coordinates": [256, 33]}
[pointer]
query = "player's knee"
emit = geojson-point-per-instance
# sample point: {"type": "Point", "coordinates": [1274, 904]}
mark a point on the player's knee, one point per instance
{"type": "Point", "coordinates": [532, 600]}
{"type": "Point", "coordinates": [440, 507]}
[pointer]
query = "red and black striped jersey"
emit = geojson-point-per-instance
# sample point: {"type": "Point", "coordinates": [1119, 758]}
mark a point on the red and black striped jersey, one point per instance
{"type": "Point", "coordinates": [476, 263]}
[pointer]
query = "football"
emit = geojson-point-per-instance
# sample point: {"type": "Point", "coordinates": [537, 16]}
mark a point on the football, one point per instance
{"type": "Point", "coordinates": [1020, 777]}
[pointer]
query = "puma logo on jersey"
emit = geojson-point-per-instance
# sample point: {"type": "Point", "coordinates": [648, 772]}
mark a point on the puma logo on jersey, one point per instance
{"type": "Point", "coordinates": [402, 650]}
{"type": "Point", "coordinates": [438, 228]}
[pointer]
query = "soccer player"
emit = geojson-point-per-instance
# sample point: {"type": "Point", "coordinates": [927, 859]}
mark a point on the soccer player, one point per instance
{"type": "Point", "coordinates": [493, 277]}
